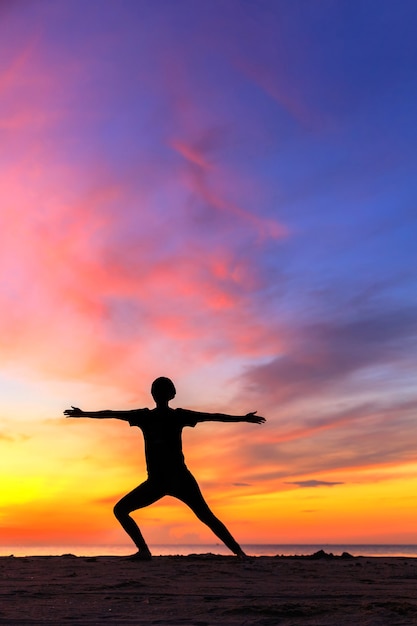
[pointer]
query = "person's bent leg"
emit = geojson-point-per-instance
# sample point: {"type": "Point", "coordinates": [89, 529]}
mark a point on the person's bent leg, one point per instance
{"type": "Point", "coordinates": [189, 492]}
{"type": "Point", "coordinates": [140, 497]}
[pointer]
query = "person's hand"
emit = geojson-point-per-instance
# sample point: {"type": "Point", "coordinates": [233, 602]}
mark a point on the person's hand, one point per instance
{"type": "Point", "coordinates": [73, 412]}
{"type": "Point", "coordinates": [253, 418]}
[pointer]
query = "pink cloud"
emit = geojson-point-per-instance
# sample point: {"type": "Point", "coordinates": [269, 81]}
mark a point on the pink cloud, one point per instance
{"type": "Point", "coordinates": [76, 302]}
{"type": "Point", "coordinates": [103, 279]}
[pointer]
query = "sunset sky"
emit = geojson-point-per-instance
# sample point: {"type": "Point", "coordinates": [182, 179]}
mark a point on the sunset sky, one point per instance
{"type": "Point", "coordinates": [223, 192]}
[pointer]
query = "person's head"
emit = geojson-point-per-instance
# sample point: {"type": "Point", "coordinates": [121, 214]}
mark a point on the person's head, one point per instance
{"type": "Point", "coordinates": [163, 389]}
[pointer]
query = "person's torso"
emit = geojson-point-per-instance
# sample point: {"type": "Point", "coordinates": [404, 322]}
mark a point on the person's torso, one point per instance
{"type": "Point", "coordinates": [162, 434]}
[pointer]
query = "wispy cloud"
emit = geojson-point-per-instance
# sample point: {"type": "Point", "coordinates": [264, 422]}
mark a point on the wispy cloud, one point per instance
{"type": "Point", "coordinates": [320, 356]}
{"type": "Point", "coordinates": [306, 484]}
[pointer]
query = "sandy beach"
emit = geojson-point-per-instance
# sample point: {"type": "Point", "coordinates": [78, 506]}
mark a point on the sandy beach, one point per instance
{"type": "Point", "coordinates": [209, 590]}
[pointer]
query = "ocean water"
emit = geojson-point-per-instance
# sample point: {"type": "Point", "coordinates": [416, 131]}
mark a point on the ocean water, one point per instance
{"type": "Point", "coordinates": [394, 550]}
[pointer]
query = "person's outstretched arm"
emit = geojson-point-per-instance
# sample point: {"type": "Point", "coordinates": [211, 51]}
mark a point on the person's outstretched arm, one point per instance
{"type": "Point", "coordinates": [120, 415]}
{"type": "Point", "coordinates": [252, 418]}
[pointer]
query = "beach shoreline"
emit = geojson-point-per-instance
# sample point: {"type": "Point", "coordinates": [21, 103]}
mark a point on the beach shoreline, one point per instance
{"type": "Point", "coordinates": [208, 589]}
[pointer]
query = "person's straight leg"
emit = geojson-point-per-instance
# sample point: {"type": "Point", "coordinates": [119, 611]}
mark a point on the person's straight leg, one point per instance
{"type": "Point", "coordinates": [189, 493]}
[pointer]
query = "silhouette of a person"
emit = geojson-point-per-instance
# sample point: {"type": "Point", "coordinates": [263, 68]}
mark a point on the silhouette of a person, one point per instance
{"type": "Point", "coordinates": [167, 472]}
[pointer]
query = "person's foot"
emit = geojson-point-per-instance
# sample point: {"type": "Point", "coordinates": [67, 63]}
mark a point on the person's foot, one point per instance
{"type": "Point", "coordinates": [141, 555]}
{"type": "Point", "coordinates": [242, 555]}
